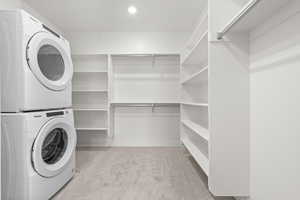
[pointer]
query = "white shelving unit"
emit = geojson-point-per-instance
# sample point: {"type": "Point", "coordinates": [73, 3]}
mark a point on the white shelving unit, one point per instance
{"type": "Point", "coordinates": [229, 92]}
{"type": "Point", "coordinates": [145, 78]}
{"type": "Point", "coordinates": [145, 93]}
{"type": "Point", "coordinates": [90, 97]}
{"type": "Point", "coordinates": [194, 90]}
{"type": "Point", "coordinates": [200, 158]}
{"type": "Point", "coordinates": [201, 131]}
{"type": "Point", "coordinates": [214, 103]}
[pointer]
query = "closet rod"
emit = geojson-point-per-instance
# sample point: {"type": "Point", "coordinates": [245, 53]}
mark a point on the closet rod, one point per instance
{"type": "Point", "coordinates": [146, 105]}
{"type": "Point", "coordinates": [247, 8]}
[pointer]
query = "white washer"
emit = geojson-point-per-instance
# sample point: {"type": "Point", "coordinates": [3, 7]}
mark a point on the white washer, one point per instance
{"type": "Point", "coordinates": [36, 65]}
{"type": "Point", "coordinates": [38, 153]}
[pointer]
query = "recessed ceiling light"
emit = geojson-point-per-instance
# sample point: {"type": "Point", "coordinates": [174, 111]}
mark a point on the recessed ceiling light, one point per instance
{"type": "Point", "coordinates": [132, 10]}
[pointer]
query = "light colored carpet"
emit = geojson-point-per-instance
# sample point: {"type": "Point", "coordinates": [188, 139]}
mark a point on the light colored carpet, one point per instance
{"type": "Point", "coordinates": [136, 174]}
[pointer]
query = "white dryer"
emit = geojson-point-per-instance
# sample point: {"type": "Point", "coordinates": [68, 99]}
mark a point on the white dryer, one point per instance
{"type": "Point", "coordinates": [36, 65]}
{"type": "Point", "coordinates": [38, 153]}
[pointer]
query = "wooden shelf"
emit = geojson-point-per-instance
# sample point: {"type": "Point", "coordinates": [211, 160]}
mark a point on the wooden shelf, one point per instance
{"type": "Point", "coordinates": [195, 104]}
{"type": "Point", "coordinates": [199, 54]}
{"type": "Point", "coordinates": [197, 77]}
{"type": "Point", "coordinates": [201, 131]}
{"type": "Point", "coordinates": [251, 15]}
{"type": "Point", "coordinates": [200, 158]}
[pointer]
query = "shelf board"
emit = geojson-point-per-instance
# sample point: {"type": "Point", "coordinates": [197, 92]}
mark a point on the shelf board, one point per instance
{"type": "Point", "coordinates": [195, 104]}
{"type": "Point", "coordinates": [199, 54]}
{"type": "Point", "coordinates": [91, 129]}
{"type": "Point", "coordinates": [84, 72]}
{"type": "Point", "coordinates": [147, 76]}
{"type": "Point", "coordinates": [174, 103]}
{"type": "Point", "coordinates": [197, 77]}
{"type": "Point", "coordinates": [251, 15]}
{"type": "Point", "coordinates": [201, 131]}
{"type": "Point", "coordinates": [200, 158]}
{"type": "Point", "coordinates": [88, 90]}
{"type": "Point", "coordinates": [90, 109]}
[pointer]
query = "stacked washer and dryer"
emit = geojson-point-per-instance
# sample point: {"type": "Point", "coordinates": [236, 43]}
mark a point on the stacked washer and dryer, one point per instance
{"type": "Point", "coordinates": [38, 134]}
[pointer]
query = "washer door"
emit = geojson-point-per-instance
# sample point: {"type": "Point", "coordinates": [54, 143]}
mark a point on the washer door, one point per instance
{"type": "Point", "coordinates": [49, 60]}
{"type": "Point", "coordinates": [53, 147]}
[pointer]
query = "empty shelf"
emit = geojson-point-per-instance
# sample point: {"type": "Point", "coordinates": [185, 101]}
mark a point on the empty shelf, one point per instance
{"type": "Point", "coordinates": [197, 77]}
{"type": "Point", "coordinates": [201, 131]}
{"type": "Point", "coordinates": [144, 104]}
{"type": "Point", "coordinates": [195, 104]}
{"type": "Point", "coordinates": [199, 54]}
{"type": "Point", "coordinates": [200, 158]}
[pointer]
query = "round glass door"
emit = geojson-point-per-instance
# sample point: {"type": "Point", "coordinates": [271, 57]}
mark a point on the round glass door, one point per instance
{"type": "Point", "coordinates": [50, 61]}
{"type": "Point", "coordinates": [53, 147]}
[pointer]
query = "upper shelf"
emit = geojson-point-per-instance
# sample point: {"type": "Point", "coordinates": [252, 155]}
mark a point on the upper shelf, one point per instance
{"type": "Point", "coordinates": [251, 15]}
{"type": "Point", "coordinates": [199, 54]}
{"type": "Point", "coordinates": [197, 77]}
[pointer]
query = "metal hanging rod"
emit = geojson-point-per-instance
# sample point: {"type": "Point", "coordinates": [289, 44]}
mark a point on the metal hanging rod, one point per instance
{"type": "Point", "coordinates": [247, 8]}
{"type": "Point", "coordinates": [146, 105]}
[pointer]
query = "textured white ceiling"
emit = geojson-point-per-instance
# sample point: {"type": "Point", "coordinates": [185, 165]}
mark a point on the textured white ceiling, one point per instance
{"type": "Point", "coordinates": [112, 15]}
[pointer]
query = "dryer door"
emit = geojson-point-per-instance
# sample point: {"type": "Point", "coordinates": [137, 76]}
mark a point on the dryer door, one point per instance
{"type": "Point", "coordinates": [53, 147]}
{"type": "Point", "coordinates": [49, 60]}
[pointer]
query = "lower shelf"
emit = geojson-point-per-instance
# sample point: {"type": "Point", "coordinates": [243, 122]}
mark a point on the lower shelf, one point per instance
{"type": "Point", "coordinates": [194, 104]}
{"type": "Point", "coordinates": [197, 155]}
{"type": "Point", "coordinates": [201, 131]}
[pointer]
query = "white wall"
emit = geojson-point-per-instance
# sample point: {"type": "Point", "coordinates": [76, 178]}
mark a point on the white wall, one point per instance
{"type": "Point", "coordinates": [10, 4]}
{"type": "Point", "coordinates": [275, 107]}
{"type": "Point", "coordinates": [40, 17]}
{"type": "Point", "coordinates": [126, 42]}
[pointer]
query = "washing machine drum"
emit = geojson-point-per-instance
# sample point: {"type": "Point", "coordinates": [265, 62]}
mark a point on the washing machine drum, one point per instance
{"type": "Point", "coordinates": [53, 147]}
{"type": "Point", "coordinates": [49, 60]}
